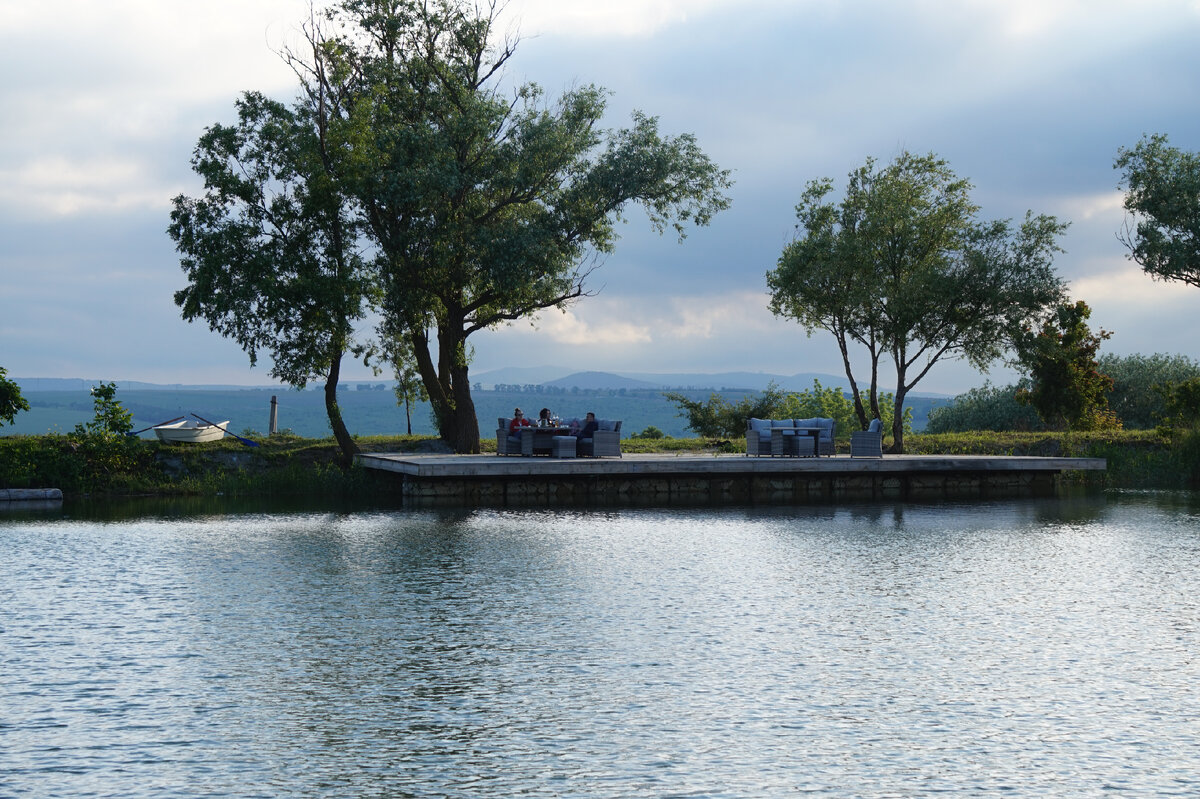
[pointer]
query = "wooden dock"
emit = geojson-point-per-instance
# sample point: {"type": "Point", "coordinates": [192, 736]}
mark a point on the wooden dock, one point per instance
{"type": "Point", "coordinates": [665, 479]}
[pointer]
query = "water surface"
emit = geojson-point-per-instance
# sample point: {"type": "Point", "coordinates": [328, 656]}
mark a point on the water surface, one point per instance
{"type": "Point", "coordinates": [1027, 647]}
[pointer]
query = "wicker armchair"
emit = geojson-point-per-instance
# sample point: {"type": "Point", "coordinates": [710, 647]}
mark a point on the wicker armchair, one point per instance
{"type": "Point", "coordinates": [506, 444]}
{"type": "Point", "coordinates": [867, 443]}
{"type": "Point", "coordinates": [758, 437]}
{"type": "Point", "coordinates": [605, 442]}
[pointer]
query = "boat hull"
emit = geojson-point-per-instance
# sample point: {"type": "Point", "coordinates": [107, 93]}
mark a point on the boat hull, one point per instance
{"type": "Point", "coordinates": [190, 432]}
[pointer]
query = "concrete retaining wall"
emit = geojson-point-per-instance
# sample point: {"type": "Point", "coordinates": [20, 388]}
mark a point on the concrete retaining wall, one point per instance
{"type": "Point", "coordinates": [723, 489]}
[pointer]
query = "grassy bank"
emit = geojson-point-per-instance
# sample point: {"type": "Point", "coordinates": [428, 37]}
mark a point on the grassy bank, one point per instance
{"type": "Point", "coordinates": [291, 466]}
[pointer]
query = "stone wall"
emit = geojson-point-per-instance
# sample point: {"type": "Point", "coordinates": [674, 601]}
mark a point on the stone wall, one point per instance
{"type": "Point", "coordinates": [659, 490]}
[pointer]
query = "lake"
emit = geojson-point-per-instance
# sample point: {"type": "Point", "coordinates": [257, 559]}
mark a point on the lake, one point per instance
{"type": "Point", "coordinates": [1027, 648]}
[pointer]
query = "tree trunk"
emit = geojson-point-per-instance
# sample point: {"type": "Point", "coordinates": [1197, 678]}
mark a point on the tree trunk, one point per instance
{"type": "Point", "coordinates": [466, 424]}
{"type": "Point", "coordinates": [855, 394]}
{"type": "Point", "coordinates": [449, 388]}
{"type": "Point", "coordinates": [344, 441]}
{"type": "Point", "coordinates": [897, 447]}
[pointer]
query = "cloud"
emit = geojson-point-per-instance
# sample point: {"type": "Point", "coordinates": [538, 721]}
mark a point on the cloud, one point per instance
{"type": "Point", "coordinates": [61, 187]}
{"type": "Point", "coordinates": [627, 18]}
{"type": "Point", "coordinates": [1026, 98]}
{"type": "Point", "coordinates": [568, 328]}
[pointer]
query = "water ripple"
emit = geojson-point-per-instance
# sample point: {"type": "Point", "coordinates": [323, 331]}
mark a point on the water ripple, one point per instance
{"type": "Point", "coordinates": [1031, 648]}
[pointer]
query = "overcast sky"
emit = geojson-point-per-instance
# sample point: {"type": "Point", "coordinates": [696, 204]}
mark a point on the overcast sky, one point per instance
{"type": "Point", "coordinates": [1029, 99]}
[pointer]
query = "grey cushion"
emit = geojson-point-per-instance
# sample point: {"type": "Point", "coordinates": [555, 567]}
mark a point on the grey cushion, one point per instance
{"type": "Point", "coordinates": [875, 426]}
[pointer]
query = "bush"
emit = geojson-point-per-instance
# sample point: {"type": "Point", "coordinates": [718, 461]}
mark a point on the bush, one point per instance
{"type": "Point", "coordinates": [989, 407]}
{"type": "Point", "coordinates": [1137, 396]}
{"type": "Point", "coordinates": [719, 418]}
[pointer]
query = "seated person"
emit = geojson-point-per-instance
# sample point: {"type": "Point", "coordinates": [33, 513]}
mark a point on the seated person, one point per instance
{"type": "Point", "coordinates": [589, 426]}
{"type": "Point", "coordinates": [518, 421]}
{"type": "Point", "coordinates": [545, 418]}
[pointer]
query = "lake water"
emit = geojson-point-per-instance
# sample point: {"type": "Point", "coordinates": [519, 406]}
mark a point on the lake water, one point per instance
{"type": "Point", "coordinates": [1028, 648]}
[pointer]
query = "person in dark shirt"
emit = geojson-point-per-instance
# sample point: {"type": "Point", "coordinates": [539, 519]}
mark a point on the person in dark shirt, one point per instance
{"type": "Point", "coordinates": [589, 426]}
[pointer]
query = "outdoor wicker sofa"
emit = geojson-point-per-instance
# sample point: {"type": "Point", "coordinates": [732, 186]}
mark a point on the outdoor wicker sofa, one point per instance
{"type": "Point", "coordinates": [759, 437]}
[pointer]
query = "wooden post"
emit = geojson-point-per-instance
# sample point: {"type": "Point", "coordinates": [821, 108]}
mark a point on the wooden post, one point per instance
{"type": "Point", "coordinates": [274, 426]}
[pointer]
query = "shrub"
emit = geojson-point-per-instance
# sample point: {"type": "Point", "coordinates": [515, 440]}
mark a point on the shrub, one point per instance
{"type": "Point", "coordinates": [1136, 397]}
{"type": "Point", "coordinates": [719, 418]}
{"type": "Point", "coordinates": [988, 407]}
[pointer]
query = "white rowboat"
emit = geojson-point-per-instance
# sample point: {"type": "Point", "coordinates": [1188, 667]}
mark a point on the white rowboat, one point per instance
{"type": "Point", "coordinates": [190, 431]}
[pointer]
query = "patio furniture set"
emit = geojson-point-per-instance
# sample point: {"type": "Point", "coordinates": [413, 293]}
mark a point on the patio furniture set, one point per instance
{"type": "Point", "coordinates": [808, 438]}
{"type": "Point", "coordinates": [557, 442]}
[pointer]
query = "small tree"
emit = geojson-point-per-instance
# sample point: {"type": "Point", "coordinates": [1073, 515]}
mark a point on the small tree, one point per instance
{"type": "Point", "coordinates": [903, 268]}
{"type": "Point", "coordinates": [109, 417]}
{"type": "Point", "coordinates": [717, 417]}
{"type": "Point", "coordinates": [1067, 388]}
{"type": "Point", "coordinates": [409, 389]}
{"type": "Point", "coordinates": [11, 401]}
{"type": "Point", "coordinates": [1162, 194]}
{"type": "Point", "coordinates": [270, 249]}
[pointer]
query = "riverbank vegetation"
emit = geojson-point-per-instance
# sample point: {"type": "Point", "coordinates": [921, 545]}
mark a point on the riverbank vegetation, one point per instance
{"type": "Point", "coordinates": [285, 466]}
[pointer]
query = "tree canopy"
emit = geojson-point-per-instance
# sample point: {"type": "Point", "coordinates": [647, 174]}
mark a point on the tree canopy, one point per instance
{"type": "Point", "coordinates": [1162, 195]}
{"type": "Point", "coordinates": [11, 401]}
{"type": "Point", "coordinates": [486, 203]}
{"type": "Point", "coordinates": [477, 202]}
{"type": "Point", "coordinates": [270, 249]}
{"type": "Point", "coordinates": [902, 268]}
{"type": "Point", "coordinates": [1067, 389]}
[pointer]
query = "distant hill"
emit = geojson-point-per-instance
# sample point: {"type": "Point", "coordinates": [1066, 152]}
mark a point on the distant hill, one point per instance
{"type": "Point", "coordinates": [81, 384]}
{"type": "Point", "coordinates": [561, 377]}
{"type": "Point", "coordinates": [521, 375]}
{"type": "Point", "coordinates": [754, 381]}
{"type": "Point", "coordinates": [593, 381]}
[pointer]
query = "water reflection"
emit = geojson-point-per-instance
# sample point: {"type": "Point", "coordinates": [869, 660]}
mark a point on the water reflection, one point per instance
{"type": "Point", "coordinates": [1040, 647]}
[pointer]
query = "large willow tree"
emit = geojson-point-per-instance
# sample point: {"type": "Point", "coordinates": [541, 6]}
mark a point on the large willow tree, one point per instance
{"type": "Point", "coordinates": [486, 202]}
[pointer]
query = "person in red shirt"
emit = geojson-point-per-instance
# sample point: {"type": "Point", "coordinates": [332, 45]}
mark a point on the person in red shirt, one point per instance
{"type": "Point", "coordinates": [518, 421]}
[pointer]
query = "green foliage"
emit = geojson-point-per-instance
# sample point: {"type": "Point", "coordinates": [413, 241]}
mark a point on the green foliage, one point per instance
{"type": "Point", "coordinates": [903, 269]}
{"type": "Point", "coordinates": [11, 401]}
{"type": "Point", "coordinates": [1181, 404]}
{"type": "Point", "coordinates": [1163, 197]}
{"type": "Point", "coordinates": [109, 419]}
{"type": "Point", "coordinates": [78, 463]}
{"type": "Point", "coordinates": [650, 432]}
{"type": "Point", "coordinates": [717, 417]}
{"type": "Point", "coordinates": [985, 408]}
{"type": "Point", "coordinates": [1140, 386]}
{"type": "Point", "coordinates": [1067, 389]}
{"type": "Point", "coordinates": [1137, 397]}
{"type": "Point", "coordinates": [270, 249]}
{"type": "Point", "coordinates": [484, 203]}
